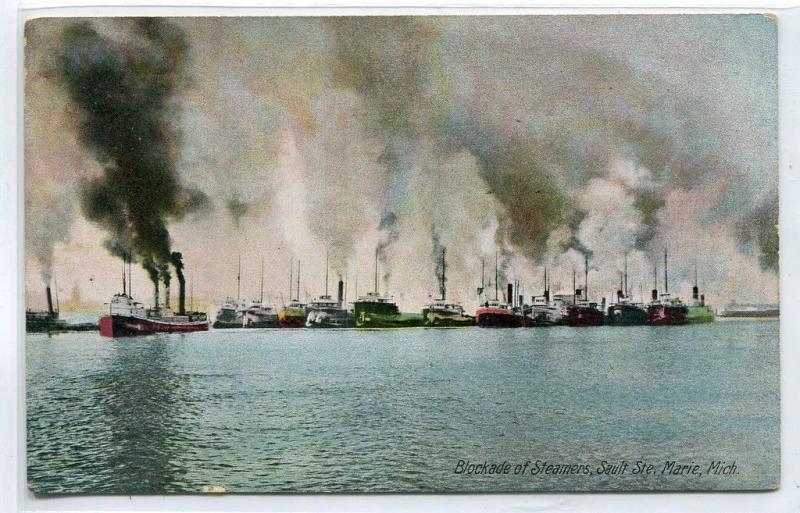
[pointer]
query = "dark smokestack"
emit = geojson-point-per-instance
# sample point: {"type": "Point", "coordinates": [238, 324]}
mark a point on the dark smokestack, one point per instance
{"type": "Point", "coordinates": [49, 301]}
{"type": "Point", "coordinates": [578, 294]}
{"type": "Point", "coordinates": [702, 300]}
{"type": "Point", "coordinates": [340, 295]}
{"type": "Point", "coordinates": [655, 294]}
{"type": "Point", "coordinates": [510, 296]}
{"type": "Point", "coordinates": [155, 294]}
{"type": "Point", "coordinates": [695, 289]}
{"type": "Point", "coordinates": [547, 295]}
{"type": "Point", "coordinates": [177, 263]}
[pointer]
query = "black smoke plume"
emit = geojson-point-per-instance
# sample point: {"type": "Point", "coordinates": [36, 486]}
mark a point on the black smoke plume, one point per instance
{"type": "Point", "coordinates": [439, 265]}
{"type": "Point", "coordinates": [387, 225]}
{"type": "Point", "coordinates": [125, 94]}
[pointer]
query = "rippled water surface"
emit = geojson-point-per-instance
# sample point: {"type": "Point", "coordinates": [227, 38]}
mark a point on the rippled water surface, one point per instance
{"type": "Point", "coordinates": [348, 410]}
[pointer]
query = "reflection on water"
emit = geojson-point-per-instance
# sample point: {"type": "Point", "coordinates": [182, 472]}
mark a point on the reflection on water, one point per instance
{"type": "Point", "coordinates": [316, 410]}
{"type": "Point", "coordinates": [139, 397]}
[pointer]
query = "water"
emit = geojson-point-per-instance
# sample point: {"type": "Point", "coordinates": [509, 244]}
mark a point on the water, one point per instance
{"type": "Point", "coordinates": [348, 410]}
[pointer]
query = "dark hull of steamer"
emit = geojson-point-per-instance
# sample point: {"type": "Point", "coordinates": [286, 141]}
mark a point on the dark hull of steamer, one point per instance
{"type": "Point", "coordinates": [497, 318]}
{"type": "Point", "coordinates": [124, 326]}
{"type": "Point", "coordinates": [626, 315]}
{"type": "Point", "coordinates": [583, 316]}
{"type": "Point", "coordinates": [661, 315]}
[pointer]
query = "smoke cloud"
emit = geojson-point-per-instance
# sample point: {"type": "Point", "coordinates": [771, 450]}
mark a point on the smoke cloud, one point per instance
{"type": "Point", "coordinates": [542, 139]}
{"type": "Point", "coordinates": [124, 92]}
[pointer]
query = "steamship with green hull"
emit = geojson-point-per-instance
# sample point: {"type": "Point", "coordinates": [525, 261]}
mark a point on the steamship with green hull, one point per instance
{"type": "Point", "coordinates": [698, 312]}
{"type": "Point", "coordinates": [376, 311]}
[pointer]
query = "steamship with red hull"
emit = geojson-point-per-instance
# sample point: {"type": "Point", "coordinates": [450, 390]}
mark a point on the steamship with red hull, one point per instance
{"type": "Point", "coordinates": [494, 314]}
{"type": "Point", "coordinates": [583, 312]}
{"type": "Point", "coordinates": [665, 310]}
{"type": "Point", "coordinates": [128, 318]}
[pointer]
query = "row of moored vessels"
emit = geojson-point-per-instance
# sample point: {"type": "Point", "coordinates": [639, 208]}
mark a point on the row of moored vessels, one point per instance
{"type": "Point", "coordinates": [373, 310]}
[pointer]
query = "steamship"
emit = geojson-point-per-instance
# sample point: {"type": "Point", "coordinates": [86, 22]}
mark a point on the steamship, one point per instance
{"type": "Point", "coordinates": [665, 310]}
{"type": "Point", "coordinates": [440, 312]}
{"type": "Point", "coordinates": [495, 313]}
{"type": "Point", "coordinates": [698, 311]}
{"type": "Point", "coordinates": [231, 312]}
{"type": "Point", "coordinates": [44, 322]}
{"type": "Point", "coordinates": [326, 312]}
{"type": "Point", "coordinates": [375, 311]}
{"type": "Point", "coordinates": [127, 317]}
{"type": "Point", "coordinates": [625, 312]}
{"type": "Point", "coordinates": [583, 312]}
{"type": "Point", "coordinates": [293, 314]}
{"type": "Point", "coordinates": [257, 314]}
{"type": "Point", "coordinates": [543, 311]}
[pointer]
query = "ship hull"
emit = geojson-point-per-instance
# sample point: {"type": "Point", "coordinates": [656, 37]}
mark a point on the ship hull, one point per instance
{"type": "Point", "coordinates": [666, 315]}
{"type": "Point", "coordinates": [222, 325]}
{"type": "Point", "coordinates": [543, 318]}
{"type": "Point", "coordinates": [497, 318]}
{"type": "Point", "coordinates": [626, 315]}
{"type": "Point", "coordinates": [291, 318]}
{"type": "Point", "coordinates": [373, 320]}
{"type": "Point", "coordinates": [122, 326]}
{"type": "Point", "coordinates": [436, 319]}
{"type": "Point", "coordinates": [578, 317]}
{"type": "Point", "coordinates": [699, 315]}
{"type": "Point", "coordinates": [260, 321]}
{"type": "Point", "coordinates": [329, 319]}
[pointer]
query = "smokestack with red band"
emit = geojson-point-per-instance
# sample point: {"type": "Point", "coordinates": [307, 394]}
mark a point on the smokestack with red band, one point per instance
{"type": "Point", "coordinates": [49, 301]}
{"type": "Point", "coordinates": [340, 295]}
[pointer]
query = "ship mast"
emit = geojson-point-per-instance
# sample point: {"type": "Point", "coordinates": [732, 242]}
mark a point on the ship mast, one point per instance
{"type": "Point", "coordinates": [666, 283]}
{"type": "Point", "coordinates": [291, 279]}
{"type": "Point", "coordinates": [124, 286]}
{"type": "Point", "coordinates": [376, 271]}
{"type": "Point", "coordinates": [191, 292]}
{"type": "Point", "coordinates": [239, 280]}
{"type": "Point", "coordinates": [326, 272]}
{"type": "Point", "coordinates": [261, 293]}
{"type": "Point", "coordinates": [496, 274]}
{"type": "Point", "coordinates": [298, 281]}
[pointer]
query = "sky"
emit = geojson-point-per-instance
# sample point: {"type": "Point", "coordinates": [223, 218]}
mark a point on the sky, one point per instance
{"type": "Point", "coordinates": [544, 140]}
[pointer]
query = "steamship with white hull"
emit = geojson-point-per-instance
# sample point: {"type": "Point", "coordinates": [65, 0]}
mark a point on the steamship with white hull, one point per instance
{"type": "Point", "coordinates": [258, 314]}
{"type": "Point", "coordinates": [543, 311]}
{"type": "Point", "coordinates": [231, 312]}
{"type": "Point", "coordinates": [127, 317]}
{"type": "Point", "coordinates": [326, 312]}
